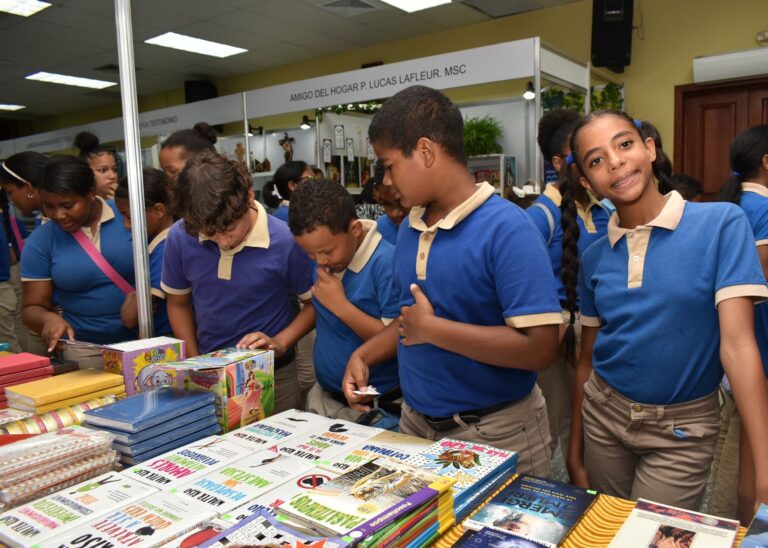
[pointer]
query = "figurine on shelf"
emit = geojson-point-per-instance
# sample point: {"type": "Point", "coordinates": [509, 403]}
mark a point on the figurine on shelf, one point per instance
{"type": "Point", "coordinates": [287, 143]}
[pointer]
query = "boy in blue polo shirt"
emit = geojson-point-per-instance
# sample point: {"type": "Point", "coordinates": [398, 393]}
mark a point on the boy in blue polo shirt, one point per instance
{"type": "Point", "coordinates": [353, 298]}
{"type": "Point", "coordinates": [479, 309]}
{"type": "Point", "coordinates": [230, 271]}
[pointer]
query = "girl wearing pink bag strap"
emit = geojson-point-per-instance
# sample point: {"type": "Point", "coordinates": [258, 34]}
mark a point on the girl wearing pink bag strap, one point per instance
{"type": "Point", "coordinates": [84, 255]}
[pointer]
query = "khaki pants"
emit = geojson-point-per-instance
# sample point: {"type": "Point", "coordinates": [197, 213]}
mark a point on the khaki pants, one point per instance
{"type": "Point", "coordinates": [319, 401]}
{"type": "Point", "coordinates": [21, 330]}
{"type": "Point", "coordinates": [9, 316]}
{"type": "Point", "coordinates": [305, 365]}
{"type": "Point", "coordinates": [521, 426]}
{"type": "Point", "coordinates": [657, 452]}
{"type": "Point", "coordinates": [287, 395]}
{"type": "Point", "coordinates": [725, 469]}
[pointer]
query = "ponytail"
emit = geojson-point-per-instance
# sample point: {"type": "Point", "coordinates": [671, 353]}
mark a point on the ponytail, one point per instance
{"type": "Point", "coordinates": [747, 151]}
{"type": "Point", "coordinates": [731, 191]}
{"type": "Point", "coordinates": [570, 261]}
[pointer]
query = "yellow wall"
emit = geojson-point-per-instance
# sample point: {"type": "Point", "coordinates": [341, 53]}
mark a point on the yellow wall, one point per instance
{"type": "Point", "coordinates": [675, 31]}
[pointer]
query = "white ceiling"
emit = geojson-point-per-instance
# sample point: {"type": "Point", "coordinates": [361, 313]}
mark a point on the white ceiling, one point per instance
{"type": "Point", "coordinates": [76, 36]}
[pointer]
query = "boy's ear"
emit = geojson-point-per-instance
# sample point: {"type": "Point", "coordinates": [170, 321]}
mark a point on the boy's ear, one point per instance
{"type": "Point", "coordinates": [426, 149]}
{"type": "Point", "coordinates": [765, 162]}
{"type": "Point", "coordinates": [355, 228]}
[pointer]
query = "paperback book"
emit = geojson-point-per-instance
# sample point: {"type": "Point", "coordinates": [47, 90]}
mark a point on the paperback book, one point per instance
{"type": "Point", "coordinates": [63, 387]}
{"type": "Point", "coordinates": [757, 534]}
{"type": "Point", "coordinates": [238, 482]}
{"type": "Point", "coordinates": [150, 522]}
{"type": "Point", "coordinates": [174, 426]}
{"type": "Point", "coordinates": [23, 361]}
{"type": "Point", "coordinates": [187, 463]}
{"type": "Point", "coordinates": [44, 518]}
{"type": "Point", "coordinates": [535, 509]}
{"type": "Point", "coordinates": [384, 444]}
{"type": "Point", "coordinates": [277, 429]}
{"type": "Point", "coordinates": [655, 524]}
{"type": "Point", "coordinates": [493, 538]}
{"type": "Point", "coordinates": [327, 442]}
{"type": "Point", "coordinates": [147, 409]}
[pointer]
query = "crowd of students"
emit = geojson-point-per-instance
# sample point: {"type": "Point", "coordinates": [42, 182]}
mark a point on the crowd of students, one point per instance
{"type": "Point", "coordinates": [603, 317]}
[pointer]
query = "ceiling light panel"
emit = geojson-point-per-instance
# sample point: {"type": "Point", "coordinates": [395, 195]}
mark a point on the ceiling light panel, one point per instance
{"type": "Point", "coordinates": [6, 106]}
{"type": "Point", "coordinates": [415, 5]}
{"type": "Point", "coordinates": [24, 8]}
{"type": "Point", "coordinates": [70, 80]}
{"type": "Point", "coordinates": [195, 45]}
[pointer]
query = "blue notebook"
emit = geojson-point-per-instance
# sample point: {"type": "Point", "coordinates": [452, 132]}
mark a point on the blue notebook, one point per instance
{"type": "Point", "coordinates": [200, 434]}
{"type": "Point", "coordinates": [124, 438]}
{"type": "Point", "coordinates": [147, 409]}
{"type": "Point", "coordinates": [164, 439]}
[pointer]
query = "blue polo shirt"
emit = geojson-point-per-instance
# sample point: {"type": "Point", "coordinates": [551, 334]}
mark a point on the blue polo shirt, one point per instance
{"type": "Point", "coordinates": [387, 229]}
{"type": "Point", "coordinates": [483, 264]}
{"type": "Point", "coordinates": [90, 300]}
{"type": "Point", "coordinates": [754, 202]}
{"type": "Point", "coordinates": [367, 283]}
{"type": "Point", "coordinates": [592, 221]}
{"type": "Point", "coordinates": [241, 290]}
{"type": "Point", "coordinates": [653, 291]}
{"type": "Point", "coordinates": [282, 211]}
{"type": "Point", "coordinates": [8, 241]}
{"type": "Point", "coordinates": [156, 249]}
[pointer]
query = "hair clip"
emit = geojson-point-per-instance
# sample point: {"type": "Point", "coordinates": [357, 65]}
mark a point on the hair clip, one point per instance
{"type": "Point", "coordinates": [569, 159]}
{"type": "Point", "coordinates": [736, 174]}
{"type": "Point", "coordinates": [276, 193]}
{"type": "Point", "coordinates": [638, 123]}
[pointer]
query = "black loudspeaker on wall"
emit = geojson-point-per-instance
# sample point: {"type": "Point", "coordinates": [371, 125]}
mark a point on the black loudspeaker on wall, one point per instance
{"type": "Point", "coordinates": [612, 34]}
{"type": "Point", "coordinates": [199, 90]}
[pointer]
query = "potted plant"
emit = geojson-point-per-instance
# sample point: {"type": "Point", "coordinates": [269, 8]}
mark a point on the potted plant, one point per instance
{"type": "Point", "coordinates": [481, 136]}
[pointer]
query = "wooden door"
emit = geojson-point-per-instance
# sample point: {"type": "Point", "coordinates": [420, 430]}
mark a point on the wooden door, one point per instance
{"type": "Point", "coordinates": [707, 118]}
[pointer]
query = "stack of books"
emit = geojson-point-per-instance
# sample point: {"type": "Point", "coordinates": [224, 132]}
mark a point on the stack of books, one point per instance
{"type": "Point", "coordinates": [49, 462]}
{"type": "Point", "coordinates": [45, 395]}
{"type": "Point", "coordinates": [21, 368]}
{"type": "Point", "coordinates": [478, 469]}
{"type": "Point", "coordinates": [148, 424]}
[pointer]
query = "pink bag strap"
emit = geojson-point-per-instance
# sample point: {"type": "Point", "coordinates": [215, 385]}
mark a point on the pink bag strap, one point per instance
{"type": "Point", "coordinates": [101, 262]}
{"type": "Point", "coordinates": [17, 233]}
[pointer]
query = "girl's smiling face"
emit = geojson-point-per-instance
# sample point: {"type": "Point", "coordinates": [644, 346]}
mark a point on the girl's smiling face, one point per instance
{"type": "Point", "coordinates": [614, 158]}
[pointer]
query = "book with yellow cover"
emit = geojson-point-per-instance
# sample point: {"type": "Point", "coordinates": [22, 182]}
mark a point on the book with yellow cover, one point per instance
{"type": "Point", "coordinates": [63, 387]}
{"type": "Point", "coordinates": [117, 391]}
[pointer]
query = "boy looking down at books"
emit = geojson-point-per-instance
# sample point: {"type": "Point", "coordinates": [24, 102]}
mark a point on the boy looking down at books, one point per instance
{"type": "Point", "coordinates": [230, 271]}
{"type": "Point", "coordinates": [479, 311]}
{"type": "Point", "coordinates": [352, 293]}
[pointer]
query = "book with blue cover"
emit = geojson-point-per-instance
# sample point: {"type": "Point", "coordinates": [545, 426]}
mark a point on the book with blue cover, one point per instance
{"type": "Point", "coordinates": [491, 538]}
{"type": "Point", "coordinates": [168, 438]}
{"type": "Point", "coordinates": [147, 409]}
{"type": "Point", "coordinates": [173, 425]}
{"type": "Point", "coordinates": [159, 450]}
{"type": "Point", "coordinates": [536, 509]}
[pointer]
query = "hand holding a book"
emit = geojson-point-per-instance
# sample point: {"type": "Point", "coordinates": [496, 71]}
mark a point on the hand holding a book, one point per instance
{"type": "Point", "coordinates": [329, 291]}
{"type": "Point", "coordinates": [55, 328]}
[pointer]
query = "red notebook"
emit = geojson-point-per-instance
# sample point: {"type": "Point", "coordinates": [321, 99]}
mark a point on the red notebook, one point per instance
{"type": "Point", "coordinates": [25, 376]}
{"type": "Point", "coordinates": [22, 362]}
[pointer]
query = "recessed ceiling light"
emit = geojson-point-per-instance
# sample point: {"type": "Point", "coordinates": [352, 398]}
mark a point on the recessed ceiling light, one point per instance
{"type": "Point", "coordinates": [195, 45]}
{"type": "Point", "coordinates": [415, 5]}
{"type": "Point", "coordinates": [4, 106]}
{"type": "Point", "coordinates": [25, 8]}
{"type": "Point", "coordinates": [70, 80]}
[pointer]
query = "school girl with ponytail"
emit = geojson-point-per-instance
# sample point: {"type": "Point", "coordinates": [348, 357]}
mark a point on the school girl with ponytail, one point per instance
{"type": "Point", "coordinates": [277, 192]}
{"type": "Point", "coordinates": [569, 219]}
{"type": "Point", "coordinates": [748, 188]}
{"type": "Point", "coordinates": [665, 298]}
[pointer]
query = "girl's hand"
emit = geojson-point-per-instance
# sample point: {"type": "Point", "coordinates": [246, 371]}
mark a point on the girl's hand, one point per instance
{"type": "Point", "coordinates": [258, 339]}
{"type": "Point", "coordinates": [54, 329]}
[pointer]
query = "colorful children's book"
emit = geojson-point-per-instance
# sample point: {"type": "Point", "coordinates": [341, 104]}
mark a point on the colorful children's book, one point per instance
{"type": "Point", "coordinates": [147, 409]}
{"type": "Point", "coordinates": [175, 435]}
{"type": "Point", "coordinates": [326, 443]}
{"type": "Point", "coordinates": [262, 528]}
{"type": "Point", "coordinates": [24, 361]}
{"type": "Point", "coordinates": [37, 521]}
{"type": "Point", "coordinates": [238, 482]}
{"type": "Point", "coordinates": [133, 459]}
{"type": "Point", "coordinates": [150, 522]}
{"type": "Point", "coordinates": [384, 444]}
{"type": "Point", "coordinates": [137, 362]}
{"type": "Point", "coordinates": [182, 421]}
{"type": "Point", "coordinates": [656, 524]}
{"type": "Point", "coordinates": [469, 463]}
{"type": "Point", "coordinates": [62, 387]}
{"type": "Point", "coordinates": [277, 429]}
{"type": "Point", "coordinates": [757, 534]}
{"type": "Point", "coordinates": [536, 509]}
{"type": "Point", "coordinates": [187, 463]}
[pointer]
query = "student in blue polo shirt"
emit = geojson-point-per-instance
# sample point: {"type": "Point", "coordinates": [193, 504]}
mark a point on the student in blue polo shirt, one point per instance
{"type": "Point", "coordinates": [570, 219]}
{"type": "Point", "coordinates": [389, 223]}
{"type": "Point", "coordinates": [278, 192]}
{"type": "Point", "coordinates": [352, 299]}
{"type": "Point", "coordinates": [479, 309]}
{"type": "Point", "coordinates": [54, 261]}
{"type": "Point", "coordinates": [748, 187]}
{"type": "Point", "coordinates": [230, 271]}
{"type": "Point", "coordinates": [12, 331]}
{"type": "Point", "coordinates": [665, 297]}
{"type": "Point", "coordinates": [159, 218]}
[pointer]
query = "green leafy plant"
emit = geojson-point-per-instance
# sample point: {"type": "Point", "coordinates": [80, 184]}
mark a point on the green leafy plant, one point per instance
{"type": "Point", "coordinates": [553, 97]}
{"type": "Point", "coordinates": [481, 136]}
{"type": "Point", "coordinates": [610, 97]}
